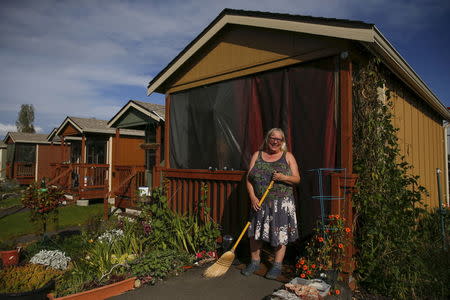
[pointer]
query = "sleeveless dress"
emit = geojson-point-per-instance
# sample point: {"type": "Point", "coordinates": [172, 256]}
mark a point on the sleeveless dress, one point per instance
{"type": "Point", "coordinates": [276, 221]}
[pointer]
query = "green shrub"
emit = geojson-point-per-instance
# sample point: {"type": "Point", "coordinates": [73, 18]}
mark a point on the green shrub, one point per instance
{"type": "Point", "coordinates": [160, 263]}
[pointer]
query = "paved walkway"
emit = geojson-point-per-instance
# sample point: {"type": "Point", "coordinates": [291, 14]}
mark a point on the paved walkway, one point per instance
{"type": "Point", "coordinates": [191, 285]}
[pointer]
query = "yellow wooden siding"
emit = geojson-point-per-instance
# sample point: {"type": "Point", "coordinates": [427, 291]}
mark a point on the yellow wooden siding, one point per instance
{"type": "Point", "coordinates": [421, 141]}
{"type": "Point", "coordinates": [240, 51]}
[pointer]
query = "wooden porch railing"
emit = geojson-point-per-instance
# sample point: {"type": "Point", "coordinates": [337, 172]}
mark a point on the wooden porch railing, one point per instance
{"type": "Point", "coordinates": [129, 178]}
{"type": "Point", "coordinates": [227, 195]}
{"type": "Point", "coordinates": [86, 181]}
{"type": "Point", "coordinates": [24, 170]}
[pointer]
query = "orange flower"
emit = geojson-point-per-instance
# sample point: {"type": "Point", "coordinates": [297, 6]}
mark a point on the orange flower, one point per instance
{"type": "Point", "coordinates": [337, 292]}
{"type": "Point", "coordinates": [302, 262]}
{"type": "Point", "coordinates": [313, 266]}
{"type": "Point", "coordinates": [320, 239]}
{"type": "Point", "coordinates": [336, 216]}
{"type": "Point", "coordinates": [341, 246]}
{"type": "Point", "coordinates": [347, 229]}
{"type": "Point", "coordinates": [305, 267]}
{"type": "Point", "coordinates": [302, 275]}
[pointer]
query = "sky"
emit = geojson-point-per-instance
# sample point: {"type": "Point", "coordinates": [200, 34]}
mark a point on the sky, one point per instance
{"type": "Point", "coordinates": [87, 58]}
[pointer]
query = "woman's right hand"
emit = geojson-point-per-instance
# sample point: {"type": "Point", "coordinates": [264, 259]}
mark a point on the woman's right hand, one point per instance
{"type": "Point", "coordinates": [255, 204]}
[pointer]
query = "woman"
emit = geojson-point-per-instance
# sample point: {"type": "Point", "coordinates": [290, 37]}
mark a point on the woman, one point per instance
{"type": "Point", "coordinates": [275, 220]}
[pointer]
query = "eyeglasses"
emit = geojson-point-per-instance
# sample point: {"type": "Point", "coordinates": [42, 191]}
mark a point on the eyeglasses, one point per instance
{"type": "Point", "coordinates": [273, 139]}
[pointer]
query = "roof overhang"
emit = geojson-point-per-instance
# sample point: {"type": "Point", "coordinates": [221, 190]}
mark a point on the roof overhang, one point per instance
{"type": "Point", "coordinates": [61, 127]}
{"type": "Point", "coordinates": [131, 104]}
{"type": "Point", "coordinates": [24, 141]}
{"type": "Point", "coordinates": [367, 34]}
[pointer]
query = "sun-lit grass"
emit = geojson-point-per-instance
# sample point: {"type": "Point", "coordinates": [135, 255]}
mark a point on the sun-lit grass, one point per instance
{"type": "Point", "coordinates": [19, 224]}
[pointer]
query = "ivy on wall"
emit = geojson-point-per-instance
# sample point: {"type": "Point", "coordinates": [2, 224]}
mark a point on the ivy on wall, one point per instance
{"type": "Point", "coordinates": [392, 257]}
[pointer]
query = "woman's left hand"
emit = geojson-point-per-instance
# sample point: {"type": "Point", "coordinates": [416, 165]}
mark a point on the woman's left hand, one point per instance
{"type": "Point", "coordinates": [278, 176]}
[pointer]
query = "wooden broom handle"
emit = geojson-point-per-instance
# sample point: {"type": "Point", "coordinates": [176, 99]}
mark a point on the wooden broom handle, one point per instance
{"type": "Point", "coordinates": [248, 223]}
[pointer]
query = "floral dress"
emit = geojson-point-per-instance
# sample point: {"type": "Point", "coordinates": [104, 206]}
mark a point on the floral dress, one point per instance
{"type": "Point", "coordinates": [276, 221]}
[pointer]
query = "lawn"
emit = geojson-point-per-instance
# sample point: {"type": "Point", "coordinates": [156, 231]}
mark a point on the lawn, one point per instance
{"type": "Point", "coordinates": [19, 224]}
{"type": "Point", "coordinates": [10, 202]}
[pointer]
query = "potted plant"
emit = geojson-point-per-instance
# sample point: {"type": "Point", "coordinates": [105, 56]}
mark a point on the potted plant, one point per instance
{"type": "Point", "coordinates": [30, 281]}
{"type": "Point", "coordinates": [326, 251]}
{"type": "Point", "coordinates": [9, 253]}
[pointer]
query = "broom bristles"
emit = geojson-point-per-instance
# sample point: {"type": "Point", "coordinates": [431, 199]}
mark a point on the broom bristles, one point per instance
{"type": "Point", "coordinates": [221, 266]}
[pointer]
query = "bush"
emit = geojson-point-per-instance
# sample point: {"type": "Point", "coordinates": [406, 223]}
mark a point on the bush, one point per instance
{"type": "Point", "coordinates": [26, 278]}
{"type": "Point", "coordinates": [159, 264]}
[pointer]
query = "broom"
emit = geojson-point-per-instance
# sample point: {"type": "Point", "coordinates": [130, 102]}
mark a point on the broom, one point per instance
{"type": "Point", "coordinates": [221, 266]}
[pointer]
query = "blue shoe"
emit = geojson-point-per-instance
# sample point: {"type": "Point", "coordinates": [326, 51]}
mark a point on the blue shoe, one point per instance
{"type": "Point", "coordinates": [274, 272]}
{"type": "Point", "coordinates": [251, 268]}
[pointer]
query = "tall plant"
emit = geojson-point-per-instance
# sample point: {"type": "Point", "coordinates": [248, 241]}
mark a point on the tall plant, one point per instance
{"type": "Point", "coordinates": [43, 204]}
{"type": "Point", "coordinates": [388, 198]}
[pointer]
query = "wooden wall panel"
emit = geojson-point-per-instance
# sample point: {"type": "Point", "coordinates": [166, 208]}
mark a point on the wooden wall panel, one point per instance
{"type": "Point", "coordinates": [129, 152]}
{"type": "Point", "coordinates": [421, 139]}
{"type": "Point", "coordinates": [69, 129]}
{"type": "Point", "coordinates": [240, 51]}
{"type": "Point", "coordinates": [49, 154]}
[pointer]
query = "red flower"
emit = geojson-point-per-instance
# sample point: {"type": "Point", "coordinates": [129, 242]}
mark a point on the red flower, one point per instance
{"type": "Point", "coordinates": [313, 266]}
{"type": "Point", "coordinates": [341, 246]}
{"type": "Point", "coordinates": [302, 275]}
{"type": "Point", "coordinates": [337, 292]}
{"type": "Point", "coordinates": [347, 230]}
{"type": "Point", "coordinates": [302, 262]}
{"type": "Point", "coordinates": [336, 216]}
{"type": "Point", "coordinates": [305, 267]}
{"type": "Point", "coordinates": [330, 217]}
{"type": "Point", "coordinates": [308, 272]}
{"type": "Point", "coordinates": [320, 239]}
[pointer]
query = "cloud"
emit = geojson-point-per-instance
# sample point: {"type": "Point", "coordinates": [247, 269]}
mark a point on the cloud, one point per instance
{"type": "Point", "coordinates": [5, 128]}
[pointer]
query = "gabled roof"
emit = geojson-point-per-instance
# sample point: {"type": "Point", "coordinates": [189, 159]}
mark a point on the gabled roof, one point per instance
{"type": "Point", "coordinates": [366, 34]}
{"type": "Point", "coordinates": [155, 111]}
{"type": "Point", "coordinates": [31, 138]}
{"type": "Point", "coordinates": [91, 125]}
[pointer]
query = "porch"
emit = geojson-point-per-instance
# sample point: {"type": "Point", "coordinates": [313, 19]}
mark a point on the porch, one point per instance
{"type": "Point", "coordinates": [23, 172]}
{"type": "Point", "coordinates": [80, 180]}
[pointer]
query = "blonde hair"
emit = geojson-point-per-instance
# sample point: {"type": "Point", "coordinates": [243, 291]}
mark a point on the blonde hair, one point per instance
{"type": "Point", "coordinates": [266, 140]}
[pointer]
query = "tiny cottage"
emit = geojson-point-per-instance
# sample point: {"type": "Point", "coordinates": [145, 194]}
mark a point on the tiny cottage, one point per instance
{"type": "Point", "coordinates": [249, 71]}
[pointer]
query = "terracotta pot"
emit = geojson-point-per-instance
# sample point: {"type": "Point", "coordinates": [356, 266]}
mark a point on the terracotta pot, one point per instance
{"type": "Point", "coordinates": [102, 292]}
{"type": "Point", "coordinates": [10, 258]}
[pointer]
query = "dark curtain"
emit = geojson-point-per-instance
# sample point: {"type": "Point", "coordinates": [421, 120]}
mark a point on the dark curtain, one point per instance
{"type": "Point", "coordinates": [222, 125]}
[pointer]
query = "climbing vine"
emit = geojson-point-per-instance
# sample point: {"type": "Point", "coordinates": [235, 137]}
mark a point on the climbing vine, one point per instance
{"type": "Point", "coordinates": [388, 201]}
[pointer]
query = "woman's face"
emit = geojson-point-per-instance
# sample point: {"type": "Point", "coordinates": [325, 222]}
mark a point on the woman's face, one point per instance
{"type": "Point", "coordinates": [275, 142]}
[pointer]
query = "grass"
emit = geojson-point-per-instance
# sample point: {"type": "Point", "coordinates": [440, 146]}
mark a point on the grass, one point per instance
{"type": "Point", "coordinates": [18, 224]}
{"type": "Point", "coordinates": [10, 202]}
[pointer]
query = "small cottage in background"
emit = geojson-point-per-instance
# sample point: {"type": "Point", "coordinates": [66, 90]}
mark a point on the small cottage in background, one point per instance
{"type": "Point", "coordinates": [149, 118]}
{"type": "Point", "coordinates": [95, 157]}
{"type": "Point", "coordinates": [30, 155]}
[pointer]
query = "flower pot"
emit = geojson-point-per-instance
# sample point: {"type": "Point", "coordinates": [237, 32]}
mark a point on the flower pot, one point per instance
{"type": "Point", "coordinates": [39, 294]}
{"type": "Point", "coordinates": [102, 292]}
{"type": "Point", "coordinates": [10, 258]}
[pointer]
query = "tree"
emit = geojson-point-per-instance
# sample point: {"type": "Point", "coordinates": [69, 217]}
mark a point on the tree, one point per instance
{"type": "Point", "coordinates": [25, 119]}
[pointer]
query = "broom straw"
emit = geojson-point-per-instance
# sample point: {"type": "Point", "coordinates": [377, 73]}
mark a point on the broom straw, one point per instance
{"type": "Point", "coordinates": [221, 266]}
